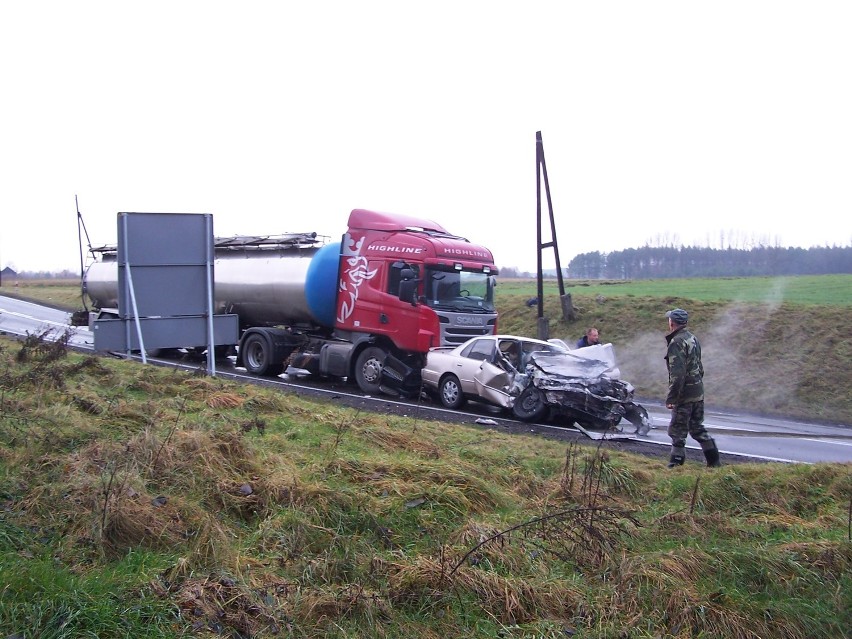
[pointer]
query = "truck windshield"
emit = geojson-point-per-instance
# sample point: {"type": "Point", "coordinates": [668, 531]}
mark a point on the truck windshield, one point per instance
{"type": "Point", "coordinates": [459, 290]}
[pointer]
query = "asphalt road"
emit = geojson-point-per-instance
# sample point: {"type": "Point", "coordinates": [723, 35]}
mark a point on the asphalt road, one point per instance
{"type": "Point", "coordinates": [739, 437]}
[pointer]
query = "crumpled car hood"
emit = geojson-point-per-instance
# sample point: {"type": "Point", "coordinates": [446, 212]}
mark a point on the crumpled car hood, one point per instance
{"type": "Point", "coordinates": [591, 362]}
{"type": "Point", "coordinates": [584, 384]}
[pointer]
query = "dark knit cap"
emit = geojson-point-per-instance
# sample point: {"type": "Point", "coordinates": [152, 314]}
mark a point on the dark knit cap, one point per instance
{"type": "Point", "coordinates": [678, 316]}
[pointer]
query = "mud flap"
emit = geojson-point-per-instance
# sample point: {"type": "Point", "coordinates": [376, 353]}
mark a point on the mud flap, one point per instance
{"type": "Point", "coordinates": [638, 416]}
{"type": "Point", "coordinates": [400, 379]}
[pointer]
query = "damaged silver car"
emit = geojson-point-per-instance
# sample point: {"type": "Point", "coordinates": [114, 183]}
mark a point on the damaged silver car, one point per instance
{"type": "Point", "coordinates": [535, 380]}
{"type": "Point", "coordinates": [583, 385]}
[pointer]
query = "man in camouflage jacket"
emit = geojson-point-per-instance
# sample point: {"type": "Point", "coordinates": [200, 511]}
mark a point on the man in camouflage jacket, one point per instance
{"type": "Point", "coordinates": [686, 391]}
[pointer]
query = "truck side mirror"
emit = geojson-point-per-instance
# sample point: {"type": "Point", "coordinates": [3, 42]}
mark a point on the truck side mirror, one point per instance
{"type": "Point", "coordinates": [408, 291]}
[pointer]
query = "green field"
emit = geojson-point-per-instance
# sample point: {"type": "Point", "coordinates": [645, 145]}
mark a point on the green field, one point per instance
{"type": "Point", "coordinates": [835, 290]}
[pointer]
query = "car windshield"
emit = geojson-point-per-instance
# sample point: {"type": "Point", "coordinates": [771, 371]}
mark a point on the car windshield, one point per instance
{"type": "Point", "coordinates": [459, 290]}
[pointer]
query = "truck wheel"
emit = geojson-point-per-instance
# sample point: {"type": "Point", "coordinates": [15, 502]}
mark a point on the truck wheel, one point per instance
{"type": "Point", "coordinates": [368, 369]}
{"type": "Point", "coordinates": [530, 405]}
{"type": "Point", "coordinates": [450, 392]}
{"type": "Point", "coordinates": [256, 353]}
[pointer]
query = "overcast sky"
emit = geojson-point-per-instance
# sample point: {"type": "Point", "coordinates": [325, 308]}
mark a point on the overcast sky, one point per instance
{"type": "Point", "coordinates": [677, 122]}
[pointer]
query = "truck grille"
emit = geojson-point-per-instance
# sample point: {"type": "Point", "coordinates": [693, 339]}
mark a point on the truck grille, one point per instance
{"type": "Point", "coordinates": [452, 334]}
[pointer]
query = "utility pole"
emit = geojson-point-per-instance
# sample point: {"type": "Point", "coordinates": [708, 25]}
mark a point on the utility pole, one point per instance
{"type": "Point", "coordinates": [565, 300]}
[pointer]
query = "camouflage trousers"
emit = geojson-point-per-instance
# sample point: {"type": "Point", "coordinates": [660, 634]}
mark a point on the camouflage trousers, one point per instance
{"type": "Point", "coordinates": [688, 419]}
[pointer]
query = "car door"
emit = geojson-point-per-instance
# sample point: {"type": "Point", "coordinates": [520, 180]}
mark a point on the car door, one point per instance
{"type": "Point", "coordinates": [467, 366]}
{"type": "Point", "coordinates": [492, 380]}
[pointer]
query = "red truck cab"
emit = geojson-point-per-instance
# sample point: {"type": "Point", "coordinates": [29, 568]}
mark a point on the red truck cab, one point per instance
{"type": "Point", "coordinates": [412, 285]}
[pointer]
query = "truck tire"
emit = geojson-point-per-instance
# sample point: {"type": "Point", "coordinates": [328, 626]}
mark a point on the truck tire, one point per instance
{"type": "Point", "coordinates": [530, 405]}
{"type": "Point", "coordinates": [257, 355]}
{"type": "Point", "coordinates": [450, 392]}
{"type": "Point", "coordinates": [368, 369]}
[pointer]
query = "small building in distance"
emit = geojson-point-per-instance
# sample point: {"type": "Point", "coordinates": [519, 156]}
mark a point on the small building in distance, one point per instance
{"type": "Point", "coordinates": [8, 275]}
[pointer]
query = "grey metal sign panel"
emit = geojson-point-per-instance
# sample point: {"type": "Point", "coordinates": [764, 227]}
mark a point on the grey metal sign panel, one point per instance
{"type": "Point", "coordinates": [165, 286]}
{"type": "Point", "coordinates": [164, 332]}
{"type": "Point", "coordinates": [162, 290]}
{"type": "Point", "coordinates": [164, 239]}
{"type": "Point", "coordinates": [165, 264]}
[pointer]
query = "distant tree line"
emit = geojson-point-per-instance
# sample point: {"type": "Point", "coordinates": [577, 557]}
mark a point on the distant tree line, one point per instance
{"type": "Point", "coordinates": [668, 261]}
{"type": "Point", "coordinates": [65, 274]}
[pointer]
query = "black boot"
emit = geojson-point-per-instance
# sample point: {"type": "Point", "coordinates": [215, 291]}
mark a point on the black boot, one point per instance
{"type": "Point", "coordinates": [712, 457]}
{"type": "Point", "coordinates": [676, 460]}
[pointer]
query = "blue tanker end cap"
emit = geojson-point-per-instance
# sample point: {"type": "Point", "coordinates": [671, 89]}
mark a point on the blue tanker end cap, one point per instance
{"type": "Point", "coordinates": [321, 284]}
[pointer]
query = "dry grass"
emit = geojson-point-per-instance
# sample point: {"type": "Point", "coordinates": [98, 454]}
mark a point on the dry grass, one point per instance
{"type": "Point", "coordinates": [271, 515]}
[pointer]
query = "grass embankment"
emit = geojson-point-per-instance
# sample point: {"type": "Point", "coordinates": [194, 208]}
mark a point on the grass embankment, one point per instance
{"type": "Point", "coordinates": [65, 294]}
{"type": "Point", "coordinates": [148, 502]}
{"type": "Point", "coordinates": [783, 359]}
{"type": "Point", "coordinates": [779, 346]}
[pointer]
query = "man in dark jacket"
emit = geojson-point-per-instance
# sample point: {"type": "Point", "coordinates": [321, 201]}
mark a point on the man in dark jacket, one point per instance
{"type": "Point", "coordinates": [686, 391]}
{"type": "Point", "coordinates": [591, 338]}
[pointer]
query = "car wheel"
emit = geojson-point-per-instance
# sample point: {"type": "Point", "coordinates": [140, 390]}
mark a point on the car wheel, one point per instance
{"type": "Point", "coordinates": [530, 405]}
{"type": "Point", "coordinates": [450, 392]}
